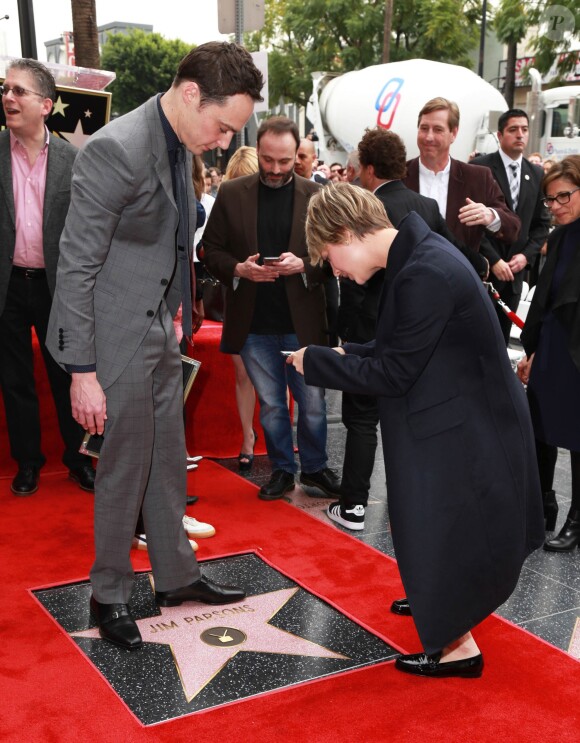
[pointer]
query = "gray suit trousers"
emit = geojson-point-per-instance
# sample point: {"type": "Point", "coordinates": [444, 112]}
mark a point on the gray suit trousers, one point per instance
{"type": "Point", "coordinates": [143, 463]}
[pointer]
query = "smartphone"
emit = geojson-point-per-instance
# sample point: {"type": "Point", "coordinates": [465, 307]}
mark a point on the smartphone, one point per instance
{"type": "Point", "coordinates": [271, 260]}
{"type": "Point", "coordinates": [286, 353]}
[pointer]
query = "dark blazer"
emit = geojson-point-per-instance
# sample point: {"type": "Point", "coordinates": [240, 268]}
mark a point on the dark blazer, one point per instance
{"type": "Point", "coordinates": [566, 306]}
{"type": "Point", "coordinates": [357, 315]}
{"type": "Point", "coordinates": [231, 235]}
{"type": "Point", "coordinates": [463, 489]}
{"type": "Point", "coordinates": [531, 211]}
{"type": "Point", "coordinates": [61, 155]}
{"type": "Point", "coordinates": [465, 181]}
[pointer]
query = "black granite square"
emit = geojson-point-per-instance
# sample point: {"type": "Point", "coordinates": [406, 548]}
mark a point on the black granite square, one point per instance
{"type": "Point", "coordinates": [195, 656]}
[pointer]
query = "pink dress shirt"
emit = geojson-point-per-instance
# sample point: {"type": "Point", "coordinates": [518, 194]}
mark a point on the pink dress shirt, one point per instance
{"type": "Point", "coordinates": [28, 185]}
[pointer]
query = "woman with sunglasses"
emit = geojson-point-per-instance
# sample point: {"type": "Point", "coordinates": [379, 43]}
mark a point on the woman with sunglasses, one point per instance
{"type": "Point", "coordinates": [551, 339]}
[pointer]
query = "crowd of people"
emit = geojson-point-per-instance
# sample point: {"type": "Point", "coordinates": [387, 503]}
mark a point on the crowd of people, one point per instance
{"type": "Point", "coordinates": [365, 276]}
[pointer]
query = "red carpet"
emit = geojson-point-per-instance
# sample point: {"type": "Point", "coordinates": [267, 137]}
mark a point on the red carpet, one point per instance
{"type": "Point", "coordinates": [207, 433]}
{"type": "Point", "coordinates": [529, 690]}
{"type": "Point", "coordinates": [213, 424]}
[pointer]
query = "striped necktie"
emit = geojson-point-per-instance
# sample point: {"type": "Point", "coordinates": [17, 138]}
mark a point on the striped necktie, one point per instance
{"type": "Point", "coordinates": [514, 184]}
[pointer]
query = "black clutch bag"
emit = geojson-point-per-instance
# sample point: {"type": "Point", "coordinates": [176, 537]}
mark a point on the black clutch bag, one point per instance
{"type": "Point", "coordinates": [92, 442]}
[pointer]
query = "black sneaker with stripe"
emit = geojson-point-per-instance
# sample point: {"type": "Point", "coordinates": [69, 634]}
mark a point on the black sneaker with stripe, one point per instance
{"type": "Point", "coordinates": [352, 518]}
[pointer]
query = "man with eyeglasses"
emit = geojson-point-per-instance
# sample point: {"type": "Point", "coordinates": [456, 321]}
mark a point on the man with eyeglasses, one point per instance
{"type": "Point", "coordinates": [125, 267]}
{"type": "Point", "coordinates": [521, 185]}
{"type": "Point", "coordinates": [35, 173]}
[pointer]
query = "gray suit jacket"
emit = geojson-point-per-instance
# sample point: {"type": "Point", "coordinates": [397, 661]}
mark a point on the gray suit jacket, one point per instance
{"type": "Point", "coordinates": [61, 156]}
{"type": "Point", "coordinates": [117, 253]}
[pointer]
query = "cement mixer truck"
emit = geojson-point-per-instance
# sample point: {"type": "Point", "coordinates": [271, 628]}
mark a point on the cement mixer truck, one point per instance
{"type": "Point", "coordinates": [554, 119]}
{"type": "Point", "coordinates": [391, 96]}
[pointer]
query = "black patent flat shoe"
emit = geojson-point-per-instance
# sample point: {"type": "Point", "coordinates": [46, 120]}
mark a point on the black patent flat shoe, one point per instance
{"type": "Point", "coordinates": [421, 664]}
{"type": "Point", "coordinates": [402, 607]}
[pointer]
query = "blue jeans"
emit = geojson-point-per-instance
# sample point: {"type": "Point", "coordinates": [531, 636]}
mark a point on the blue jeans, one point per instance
{"type": "Point", "coordinates": [270, 375]}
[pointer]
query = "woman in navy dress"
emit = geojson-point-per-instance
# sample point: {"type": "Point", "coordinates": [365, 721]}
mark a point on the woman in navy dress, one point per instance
{"type": "Point", "coordinates": [551, 339]}
{"type": "Point", "coordinates": [463, 490]}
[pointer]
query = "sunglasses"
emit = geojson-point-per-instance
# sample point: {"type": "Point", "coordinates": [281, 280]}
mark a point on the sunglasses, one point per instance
{"type": "Point", "coordinates": [561, 198]}
{"type": "Point", "coordinates": [18, 91]}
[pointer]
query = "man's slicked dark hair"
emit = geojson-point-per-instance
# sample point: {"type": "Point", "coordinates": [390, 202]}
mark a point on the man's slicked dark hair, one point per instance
{"type": "Point", "coordinates": [221, 69]}
{"type": "Point", "coordinates": [513, 113]}
{"type": "Point", "coordinates": [385, 151]}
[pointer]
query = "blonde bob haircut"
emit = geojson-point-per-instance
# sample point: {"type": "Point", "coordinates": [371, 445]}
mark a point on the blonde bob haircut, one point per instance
{"type": "Point", "coordinates": [339, 208]}
{"type": "Point", "coordinates": [244, 161]}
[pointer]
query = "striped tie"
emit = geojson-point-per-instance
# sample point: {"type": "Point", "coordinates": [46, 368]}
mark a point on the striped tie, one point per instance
{"type": "Point", "coordinates": [514, 184]}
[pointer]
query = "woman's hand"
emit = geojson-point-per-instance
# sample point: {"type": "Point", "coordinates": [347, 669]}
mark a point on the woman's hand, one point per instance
{"type": "Point", "coordinates": [297, 360]}
{"type": "Point", "coordinates": [524, 368]}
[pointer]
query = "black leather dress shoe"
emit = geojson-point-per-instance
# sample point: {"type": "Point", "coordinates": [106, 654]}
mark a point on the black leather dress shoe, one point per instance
{"type": "Point", "coordinates": [569, 536]}
{"type": "Point", "coordinates": [191, 499]}
{"type": "Point", "coordinates": [203, 590]}
{"type": "Point", "coordinates": [401, 606]}
{"type": "Point", "coordinates": [325, 480]}
{"type": "Point", "coordinates": [84, 476]}
{"type": "Point", "coordinates": [421, 664]}
{"type": "Point", "coordinates": [116, 624]}
{"type": "Point", "coordinates": [280, 482]}
{"type": "Point", "coordinates": [26, 481]}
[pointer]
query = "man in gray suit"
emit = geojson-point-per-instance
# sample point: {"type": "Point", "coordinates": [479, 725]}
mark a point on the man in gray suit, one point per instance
{"type": "Point", "coordinates": [120, 281]}
{"type": "Point", "coordinates": [35, 172]}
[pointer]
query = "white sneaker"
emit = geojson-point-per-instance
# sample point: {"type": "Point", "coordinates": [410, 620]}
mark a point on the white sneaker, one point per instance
{"type": "Point", "coordinates": [140, 543]}
{"type": "Point", "coordinates": [353, 518]}
{"type": "Point", "coordinates": [193, 459]}
{"type": "Point", "coordinates": [196, 528]}
{"type": "Point", "coordinates": [190, 467]}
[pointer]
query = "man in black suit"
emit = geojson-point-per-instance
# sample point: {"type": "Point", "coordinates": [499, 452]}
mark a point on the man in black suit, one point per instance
{"type": "Point", "coordinates": [382, 157]}
{"type": "Point", "coordinates": [521, 184]}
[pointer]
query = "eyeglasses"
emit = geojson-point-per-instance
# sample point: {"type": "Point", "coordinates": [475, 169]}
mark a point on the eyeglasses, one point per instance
{"type": "Point", "coordinates": [561, 198]}
{"type": "Point", "coordinates": [18, 91]}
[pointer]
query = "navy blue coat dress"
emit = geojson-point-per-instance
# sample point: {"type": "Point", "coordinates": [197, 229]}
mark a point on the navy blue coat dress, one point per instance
{"type": "Point", "coordinates": [463, 490]}
{"type": "Point", "coordinates": [552, 332]}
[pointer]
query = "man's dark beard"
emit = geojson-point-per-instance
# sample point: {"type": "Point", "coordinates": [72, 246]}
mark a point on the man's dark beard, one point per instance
{"type": "Point", "coordinates": [277, 183]}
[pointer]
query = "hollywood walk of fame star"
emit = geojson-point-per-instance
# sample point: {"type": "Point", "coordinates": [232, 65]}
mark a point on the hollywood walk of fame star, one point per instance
{"type": "Point", "coordinates": [59, 107]}
{"type": "Point", "coordinates": [78, 137]}
{"type": "Point", "coordinates": [236, 627]}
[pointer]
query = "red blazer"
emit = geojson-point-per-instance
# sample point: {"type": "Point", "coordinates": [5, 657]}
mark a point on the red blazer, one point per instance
{"type": "Point", "coordinates": [468, 181]}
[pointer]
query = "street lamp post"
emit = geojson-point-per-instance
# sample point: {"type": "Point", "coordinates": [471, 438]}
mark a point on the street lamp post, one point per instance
{"type": "Point", "coordinates": [27, 31]}
{"type": "Point", "coordinates": [482, 38]}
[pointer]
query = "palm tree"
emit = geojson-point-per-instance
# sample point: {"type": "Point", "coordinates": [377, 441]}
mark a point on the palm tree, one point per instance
{"type": "Point", "coordinates": [86, 38]}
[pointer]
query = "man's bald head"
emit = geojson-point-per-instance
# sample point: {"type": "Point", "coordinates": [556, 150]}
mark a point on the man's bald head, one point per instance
{"type": "Point", "coordinates": [305, 158]}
